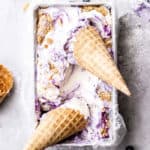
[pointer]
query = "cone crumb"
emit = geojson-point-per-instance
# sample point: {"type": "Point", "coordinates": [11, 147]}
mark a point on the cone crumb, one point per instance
{"type": "Point", "coordinates": [44, 25]}
{"type": "Point", "coordinates": [101, 9]}
{"type": "Point", "coordinates": [108, 42]}
{"type": "Point", "coordinates": [105, 96]}
{"type": "Point", "coordinates": [46, 46]}
{"type": "Point", "coordinates": [49, 40]}
{"type": "Point", "coordinates": [26, 6]}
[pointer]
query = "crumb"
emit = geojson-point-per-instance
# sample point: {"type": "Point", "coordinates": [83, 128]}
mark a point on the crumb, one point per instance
{"type": "Point", "coordinates": [39, 39]}
{"type": "Point", "coordinates": [51, 66]}
{"type": "Point", "coordinates": [104, 132]}
{"type": "Point", "coordinates": [105, 96]}
{"type": "Point", "coordinates": [46, 46]}
{"type": "Point", "coordinates": [26, 6]}
{"type": "Point", "coordinates": [55, 71]}
{"type": "Point", "coordinates": [49, 40]}
{"type": "Point", "coordinates": [108, 42]}
{"type": "Point", "coordinates": [103, 10]}
{"type": "Point", "coordinates": [44, 25]}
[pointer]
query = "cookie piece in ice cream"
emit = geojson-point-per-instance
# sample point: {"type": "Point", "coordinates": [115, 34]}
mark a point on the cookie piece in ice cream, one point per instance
{"type": "Point", "coordinates": [44, 25]}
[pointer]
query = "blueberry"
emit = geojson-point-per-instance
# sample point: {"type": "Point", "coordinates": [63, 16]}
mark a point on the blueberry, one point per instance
{"type": "Point", "coordinates": [129, 147]}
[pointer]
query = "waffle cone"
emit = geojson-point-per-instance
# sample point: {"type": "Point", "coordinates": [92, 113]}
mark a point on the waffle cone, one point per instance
{"type": "Point", "coordinates": [91, 53]}
{"type": "Point", "coordinates": [6, 82]}
{"type": "Point", "coordinates": [57, 125]}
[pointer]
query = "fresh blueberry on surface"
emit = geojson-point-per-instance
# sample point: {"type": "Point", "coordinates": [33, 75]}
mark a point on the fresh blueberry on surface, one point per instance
{"type": "Point", "coordinates": [129, 147]}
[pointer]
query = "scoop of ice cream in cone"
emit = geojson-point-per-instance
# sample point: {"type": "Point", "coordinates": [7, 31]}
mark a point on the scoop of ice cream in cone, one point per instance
{"type": "Point", "coordinates": [58, 125]}
{"type": "Point", "coordinates": [91, 53]}
{"type": "Point", "coordinates": [6, 82]}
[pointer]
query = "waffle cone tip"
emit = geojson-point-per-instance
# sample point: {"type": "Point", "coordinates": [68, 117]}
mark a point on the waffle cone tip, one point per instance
{"type": "Point", "coordinates": [126, 91]}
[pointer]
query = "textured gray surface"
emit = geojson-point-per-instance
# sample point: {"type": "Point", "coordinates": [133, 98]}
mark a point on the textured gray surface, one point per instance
{"type": "Point", "coordinates": [134, 60]}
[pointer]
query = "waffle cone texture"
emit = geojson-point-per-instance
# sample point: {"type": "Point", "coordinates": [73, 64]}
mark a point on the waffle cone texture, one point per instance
{"type": "Point", "coordinates": [6, 82]}
{"type": "Point", "coordinates": [90, 53]}
{"type": "Point", "coordinates": [56, 126]}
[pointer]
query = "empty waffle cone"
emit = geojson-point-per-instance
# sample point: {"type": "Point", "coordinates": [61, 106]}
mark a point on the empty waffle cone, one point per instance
{"type": "Point", "coordinates": [57, 125]}
{"type": "Point", "coordinates": [6, 82]}
{"type": "Point", "coordinates": [91, 53]}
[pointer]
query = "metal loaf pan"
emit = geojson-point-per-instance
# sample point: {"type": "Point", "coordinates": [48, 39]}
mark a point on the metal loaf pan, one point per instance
{"type": "Point", "coordinates": [119, 128]}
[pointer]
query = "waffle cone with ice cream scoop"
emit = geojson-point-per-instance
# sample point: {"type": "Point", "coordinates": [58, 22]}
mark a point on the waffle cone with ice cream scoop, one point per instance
{"type": "Point", "coordinates": [6, 82]}
{"type": "Point", "coordinates": [56, 126]}
{"type": "Point", "coordinates": [90, 53]}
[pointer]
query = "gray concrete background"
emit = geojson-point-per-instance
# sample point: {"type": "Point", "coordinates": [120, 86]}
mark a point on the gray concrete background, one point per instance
{"type": "Point", "coordinates": [16, 114]}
